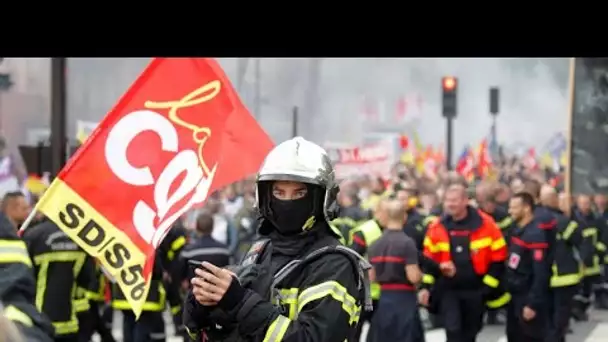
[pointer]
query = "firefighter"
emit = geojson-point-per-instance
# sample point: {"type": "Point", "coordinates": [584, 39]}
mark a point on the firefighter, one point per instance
{"type": "Point", "coordinates": [60, 267]}
{"type": "Point", "coordinates": [588, 224]}
{"type": "Point", "coordinates": [485, 195]}
{"type": "Point", "coordinates": [528, 274]}
{"type": "Point", "coordinates": [298, 283]}
{"type": "Point", "coordinates": [99, 316]}
{"type": "Point", "coordinates": [566, 270]}
{"type": "Point", "coordinates": [150, 326]}
{"type": "Point", "coordinates": [601, 293]}
{"type": "Point", "coordinates": [414, 225]}
{"type": "Point", "coordinates": [470, 251]}
{"type": "Point", "coordinates": [19, 301]}
{"type": "Point", "coordinates": [169, 250]}
{"type": "Point", "coordinates": [351, 214]}
{"type": "Point", "coordinates": [205, 248]}
{"type": "Point", "coordinates": [394, 258]}
{"type": "Point", "coordinates": [361, 238]}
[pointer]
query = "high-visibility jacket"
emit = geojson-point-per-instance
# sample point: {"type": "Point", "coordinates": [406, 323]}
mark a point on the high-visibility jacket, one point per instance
{"type": "Point", "coordinates": [486, 247]}
{"type": "Point", "coordinates": [81, 300]}
{"type": "Point", "coordinates": [566, 268]}
{"type": "Point", "coordinates": [591, 245]}
{"type": "Point", "coordinates": [371, 232]}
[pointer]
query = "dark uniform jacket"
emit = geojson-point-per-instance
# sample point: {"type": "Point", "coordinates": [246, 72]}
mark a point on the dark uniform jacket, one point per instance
{"type": "Point", "coordinates": [503, 221]}
{"type": "Point", "coordinates": [566, 268]}
{"type": "Point", "coordinates": [202, 249]}
{"type": "Point", "coordinates": [528, 268]}
{"type": "Point", "coordinates": [60, 266]}
{"type": "Point", "coordinates": [319, 302]}
{"type": "Point", "coordinates": [591, 236]}
{"type": "Point", "coordinates": [415, 228]}
{"type": "Point", "coordinates": [18, 287]}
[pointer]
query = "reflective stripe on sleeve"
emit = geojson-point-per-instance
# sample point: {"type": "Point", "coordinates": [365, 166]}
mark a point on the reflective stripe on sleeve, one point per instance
{"type": "Point", "coordinates": [498, 244]}
{"type": "Point", "coordinates": [336, 291]}
{"type": "Point", "coordinates": [569, 230]}
{"type": "Point", "coordinates": [505, 223]}
{"type": "Point", "coordinates": [14, 252]}
{"type": "Point", "coordinates": [16, 315]}
{"type": "Point", "coordinates": [175, 246]}
{"type": "Point", "coordinates": [428, 279]}
{"type": "Point", "coordinates": [277, 329]}
{"type": "Point", "coordinates": [490, 281]}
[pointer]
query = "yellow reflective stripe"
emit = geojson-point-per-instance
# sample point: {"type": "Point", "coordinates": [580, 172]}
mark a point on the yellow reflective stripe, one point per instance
{"type": "Point", "coordinates": [428, 279]}
{"type": "Point", "coordinates": [505, 223]}
{"type": "Point", "coordinates": [595, 269]}
{"type": "Point", "coordinates": [81, 305]}
{"type": "Point", "coordinates": [565, 280]}
{"type": "Point", "coordinates": [490, 281]}
{"type": "Point", "coordinates": [499, 302]}
{"type": "Point", "coordinates": [435, 248]}
{"type": "Point", "coordinates": [336, 291]}
{"type": "Point", "coordinates": [569, 230]}
{"type": "Point", "coordinates": [175, 246]}
{"type": "Point", "coordinates": [481, 243]}
{"type": "Point", "coordinates": [16, 315]}
{"type": "Point", "coordinates": [289, 297]}
{"type": "Point", "coordinates": [64, 328]}
{"type": "Point", "coordinates": [277, 329]}
{"type": "Point", "coordinates": [176, 309]}
{"type": "Point", "coordinates": [600, 246]}
{"type": "Point", "coordinates": [589, 231]}
{"type": "Point", "coordinates": [498, 244]}
{"type": "Point", "coordinates": [122, 304]}
{"type": "Point", "coordinates": [14, 251]}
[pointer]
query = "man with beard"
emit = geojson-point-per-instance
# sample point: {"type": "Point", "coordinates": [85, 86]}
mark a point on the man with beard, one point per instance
{"type": "Point", "coordinates": [528, 274]}
{"type": "Point", "coordinates": [298, 283]}
{"type": "Point", "coordinates": [16, 208]}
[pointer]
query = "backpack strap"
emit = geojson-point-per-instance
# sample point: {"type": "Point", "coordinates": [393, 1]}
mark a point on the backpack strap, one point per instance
{"type": "Point", "coordinates": [362, 266]}
{"type": "Point", "coordinates": [255, 252]}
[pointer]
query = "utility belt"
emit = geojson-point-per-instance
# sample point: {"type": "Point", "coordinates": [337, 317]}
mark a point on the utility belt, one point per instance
{"type": "Point", "coordinates": [257, 277]}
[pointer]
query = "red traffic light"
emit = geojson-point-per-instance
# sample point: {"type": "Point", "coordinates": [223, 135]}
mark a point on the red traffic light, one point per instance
{"type": "Point", "coordinates": [449, 83]}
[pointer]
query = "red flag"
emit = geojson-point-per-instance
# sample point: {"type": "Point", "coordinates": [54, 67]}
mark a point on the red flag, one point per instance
{"type": "Point", "coordinates": [178, 134]}
{"type": "Point", "coordinates": [404, 142]}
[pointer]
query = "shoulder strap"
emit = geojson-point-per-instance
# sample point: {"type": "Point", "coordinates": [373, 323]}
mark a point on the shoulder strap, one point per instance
{"type": "Point", "coordinates": [360, 264]}
{"type": "Point", "coordinates": [255, 252]}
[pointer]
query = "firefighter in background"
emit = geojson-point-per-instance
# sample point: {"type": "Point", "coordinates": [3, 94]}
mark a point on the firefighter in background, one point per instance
{"type": "Point", "coordinates": [566, 269]}
{"type": "Point", "coordinates": [150, 326]}
{"type": "Point", "coordinates": [351, 214]}
{"type": "Point", "coordinates": [169, 250]}
{"type": "Point", "coordinates": [588, 223]}
{"type": "Point", "coordinates": [601, 293]}
{"type": "Point", "coordinates": [470, 251]}
{"type": "Point", "coordinates": [19, 301]}
{"type": "Point", "coordinates": [60, 267]}
{"type": "Point", "coordinates": [528, 274]}
{"type": "Point", "coordinates": [99, 316]}
{"type": "Point", "coordinates": [485, 195]}
{"type": "Point", "coordinates": [361, 238]}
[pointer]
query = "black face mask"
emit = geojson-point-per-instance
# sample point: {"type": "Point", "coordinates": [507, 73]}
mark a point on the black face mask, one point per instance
{"type": "Point", "coordinates": [290, 216]}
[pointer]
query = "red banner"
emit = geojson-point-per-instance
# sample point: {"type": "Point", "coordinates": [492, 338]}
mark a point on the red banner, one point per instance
{"type": "Point", "coordinates": [178, 134]}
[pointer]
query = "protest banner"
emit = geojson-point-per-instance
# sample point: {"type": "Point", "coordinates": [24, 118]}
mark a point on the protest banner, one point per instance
{"type": "Point", "coordinates": [374, 159]}
{"type": "Point", "coordinates": [178, 134]}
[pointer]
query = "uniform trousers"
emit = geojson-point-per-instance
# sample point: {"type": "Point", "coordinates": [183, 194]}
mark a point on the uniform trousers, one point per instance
{"type": "Point", "coordinates": [67, 338]}
{"type": "Point", "coordinates": [97, 319]}
{"type": "Point", "coordinates": [397, 318]}
{"type": "Point", "coordinates": [561, 308]}
{"type": "Point", "coordinates": [462, 314]}
{"type": "Point", "coordinates": [520, 330]}
{"type": "Point", "coordinates": [150, 327]}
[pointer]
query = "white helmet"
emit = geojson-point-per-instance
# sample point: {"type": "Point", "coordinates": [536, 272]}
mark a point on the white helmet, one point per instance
{"type": "Point", "coordinates": [300, 160]}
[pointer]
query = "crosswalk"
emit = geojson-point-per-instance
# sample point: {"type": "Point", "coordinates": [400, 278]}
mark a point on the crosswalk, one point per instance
{"type": "Point", "coordinates": [595, 330]}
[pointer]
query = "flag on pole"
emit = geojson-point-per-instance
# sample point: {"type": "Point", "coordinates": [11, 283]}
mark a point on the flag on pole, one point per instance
{"type": "Point", "coordinates": [178, 134]}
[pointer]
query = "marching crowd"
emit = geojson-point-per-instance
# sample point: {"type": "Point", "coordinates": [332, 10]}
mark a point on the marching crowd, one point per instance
{"type": "Point", "coordinates": [511, 248]}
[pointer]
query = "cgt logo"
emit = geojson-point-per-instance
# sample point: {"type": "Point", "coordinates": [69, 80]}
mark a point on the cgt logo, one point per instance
{"type": "Point", "coordinates": [199, 176]}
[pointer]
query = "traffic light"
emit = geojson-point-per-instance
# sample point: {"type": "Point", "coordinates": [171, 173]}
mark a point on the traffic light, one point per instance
{"type": "Point", "coordinates": [494, 98]}
{"type": "Point", "coordinates": [449, 89]}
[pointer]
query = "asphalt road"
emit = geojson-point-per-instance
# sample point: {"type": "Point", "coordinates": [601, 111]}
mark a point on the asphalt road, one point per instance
{"type": "Point", "coordinates": [595, 330]}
